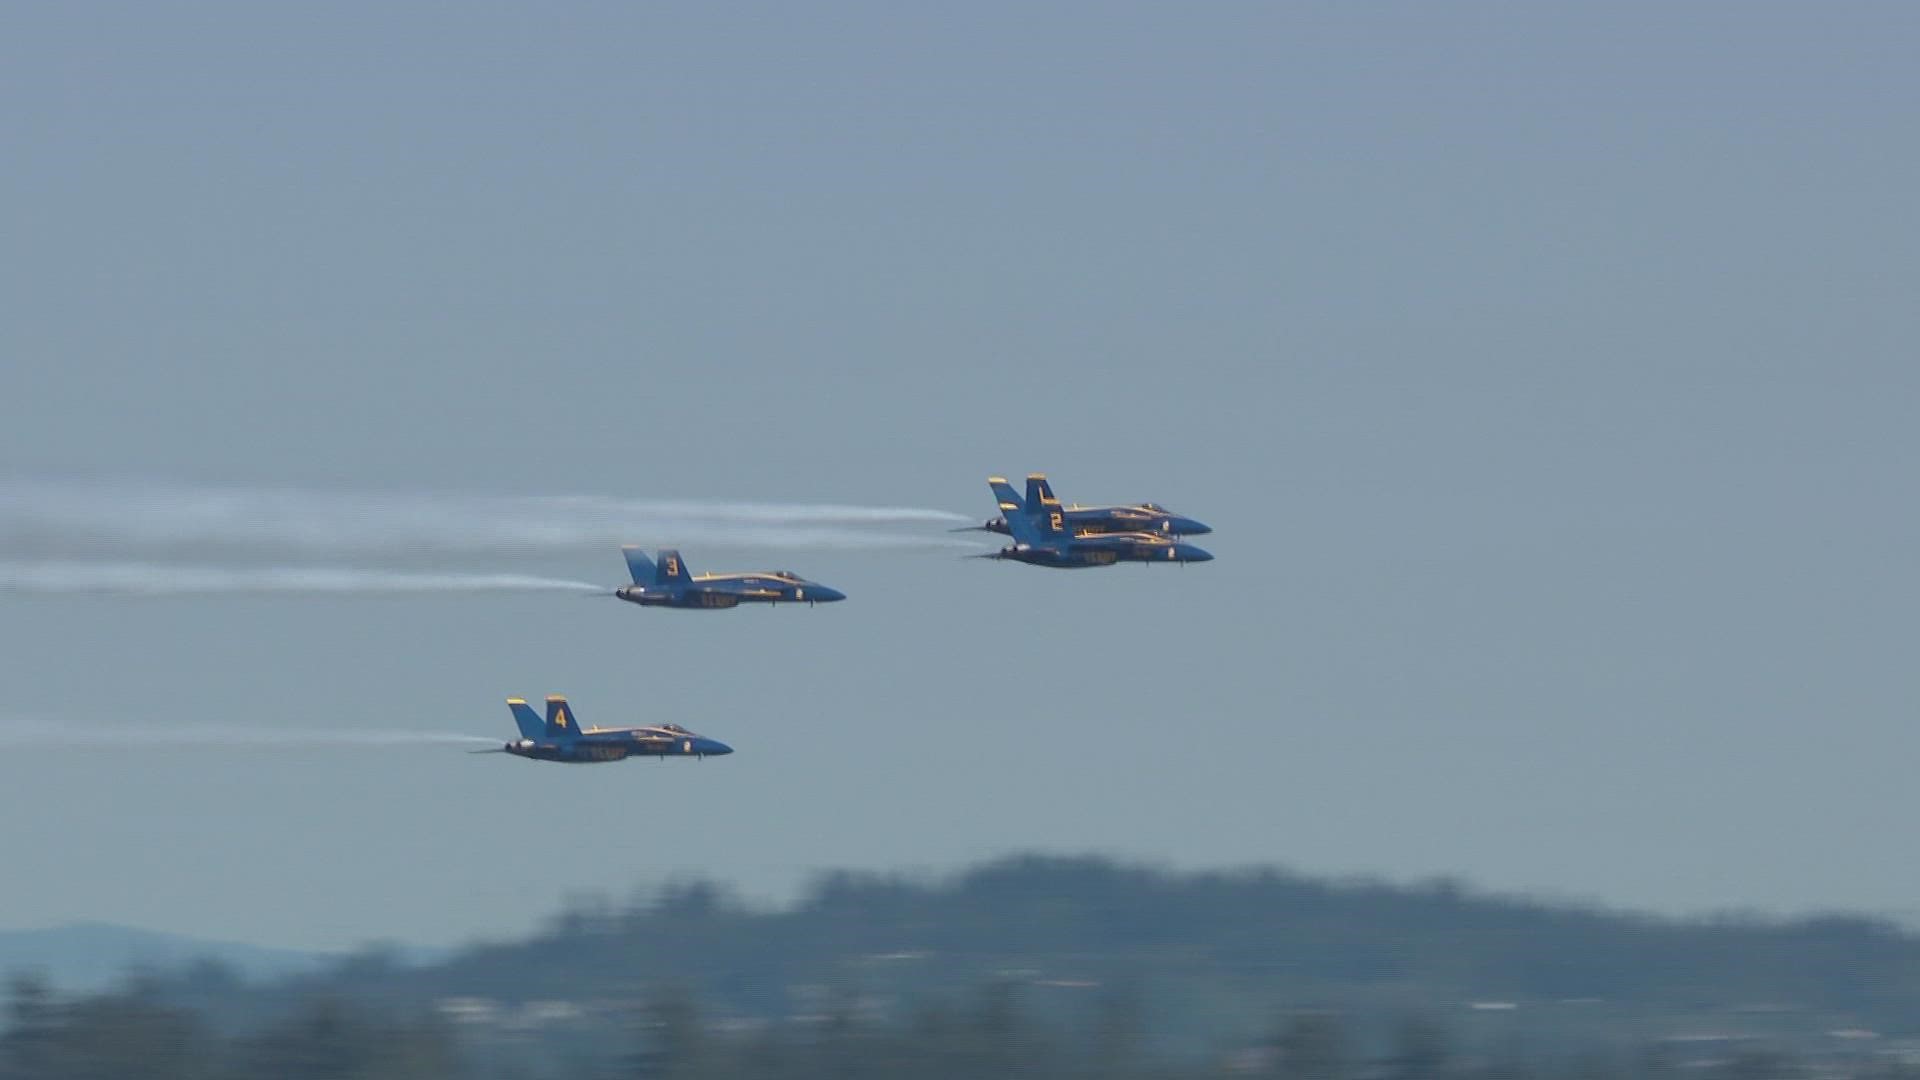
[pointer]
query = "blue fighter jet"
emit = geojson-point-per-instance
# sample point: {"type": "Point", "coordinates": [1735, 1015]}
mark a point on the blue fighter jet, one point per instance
{"type": "Point", "coordinates": [561, 738]}
{"type": "Point", "coordinates": [665, 582]}
{"type": "Point", "coordinates": [1043, 538]}
{"type": "Point", "coordinates": [1139, 517]}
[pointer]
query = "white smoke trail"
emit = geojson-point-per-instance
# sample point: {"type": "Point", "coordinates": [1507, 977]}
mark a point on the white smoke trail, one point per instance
{"type": "Point", "coordinates": [200, 736]}
{"type": "Point", "coordinates": [70, 513]}
{"type": "Point", "coordinates": [159, 578]}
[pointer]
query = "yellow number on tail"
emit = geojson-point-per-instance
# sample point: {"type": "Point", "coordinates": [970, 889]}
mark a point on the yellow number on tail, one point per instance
{"type": "Point", "coordinates": [560, 718]}
{"type": "Point", "coordinates": [1056, 521]}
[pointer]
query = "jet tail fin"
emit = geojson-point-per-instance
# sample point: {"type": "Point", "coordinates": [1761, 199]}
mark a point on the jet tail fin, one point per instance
{"type": "Point", "coordinates": [531, 726]}
{"type": "Point", "coordinates": [671, 568]}
{"type": "Point", "coordinates": [639, 566]}
{"type": "Point", "coordinates": [561, 723]}
{"type": "Point", "coordinates": [1018, 515]}
{"type": "Point", "coordinates": [1050, 522]}
{"type": "Point", "coordinates": [1040, 494]}
{"type": "Point", "coordinates": [1009, 499]}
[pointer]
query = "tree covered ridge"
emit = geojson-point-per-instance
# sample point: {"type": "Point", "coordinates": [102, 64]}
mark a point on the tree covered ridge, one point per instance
{"type": "Point", "coordinates": [1101, 920]}
{"type": "Point", "coordinates": [1064, 963]}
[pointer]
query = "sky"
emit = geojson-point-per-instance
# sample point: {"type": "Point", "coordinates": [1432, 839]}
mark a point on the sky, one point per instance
{"type": "Point", "coordinates": [1546, 372]}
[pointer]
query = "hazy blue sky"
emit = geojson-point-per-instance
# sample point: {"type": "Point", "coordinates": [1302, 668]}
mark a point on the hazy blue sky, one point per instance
{"type": "Point", "coordinates": [1548, 373]}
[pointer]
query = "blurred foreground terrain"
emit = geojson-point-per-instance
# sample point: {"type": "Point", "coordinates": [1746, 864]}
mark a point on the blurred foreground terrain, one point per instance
{"type": "Point", "coordinates": [1037, 967]}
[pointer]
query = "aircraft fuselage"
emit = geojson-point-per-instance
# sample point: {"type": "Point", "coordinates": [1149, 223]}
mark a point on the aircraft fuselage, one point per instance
{"type": "Point", "coordinates": [1117, 519]}
{"type": "Point", "coordinates": [720, 591]}
{"type": "Point", "coordinates": [618, 745]}
{"type": "Point", "coordinates": [1106, 549]}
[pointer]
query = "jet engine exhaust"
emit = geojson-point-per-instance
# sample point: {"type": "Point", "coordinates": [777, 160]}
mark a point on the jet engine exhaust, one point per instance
{"type": "Point", "coordinates": [158, 579]}
{"type": "Point", "coordinates": [58, 516]}
{"type": "Point", "coordinates": [200, 737]}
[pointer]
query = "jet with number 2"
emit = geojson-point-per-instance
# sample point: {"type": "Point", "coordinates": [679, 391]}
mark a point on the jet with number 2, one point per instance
{"type": "Point", "coordinates": [1139, 517]}
{"type": "Point", "coordinates": [665, 582]}
{"type": "Point", "coordinates": [561, 738]}
{"type": "Point", "coordinates": [1043, 538]}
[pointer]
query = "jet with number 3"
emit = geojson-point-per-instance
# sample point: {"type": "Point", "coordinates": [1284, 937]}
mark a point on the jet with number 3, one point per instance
{"type": "Point", "coordinates": [561, 738]}
{"type": "Point", "coordinates": [665, 582]}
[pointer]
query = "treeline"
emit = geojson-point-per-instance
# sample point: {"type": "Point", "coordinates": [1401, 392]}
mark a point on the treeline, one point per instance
{"type": "Point", "coordinates": [132, 1033]}
{"type": "Point", "coordinates": [1213, 951]}
{"type": "Point", "coordinates": [1075, 966]}
{"type": "Point", "coordinates": [135, 1033]}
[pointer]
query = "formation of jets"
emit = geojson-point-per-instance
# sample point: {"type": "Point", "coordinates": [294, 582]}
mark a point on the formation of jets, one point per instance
{"type": "Point", "coordinates": [1048, 534]}
{"type": "Point", "coordinates": [1044, 533]}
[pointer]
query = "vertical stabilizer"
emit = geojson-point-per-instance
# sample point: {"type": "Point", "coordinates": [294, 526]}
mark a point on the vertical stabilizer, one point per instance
{"type": "Point", "coordinates": [531, 726]}
{"type": "Point", "coordinates": [639, 566]}
{"type": "Point", "coordinates": [671, 569]}
{"type": "Point", "coordinates": [1051, 523]}
{"type": "Point", "coordinates": [1008, 498]}
{"type": "Point", "coordinates": [1040, 493]}
{"type": "Point", "coordinates": [1019, 517]}
{"type": "Point", "coordinates": [561, 723]}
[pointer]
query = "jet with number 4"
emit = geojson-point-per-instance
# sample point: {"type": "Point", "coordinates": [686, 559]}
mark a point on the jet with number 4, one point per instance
{"type": "Point", "coordinates": [665, 582]}
{"type": "Point", "coordinates": [561, 738]}
{"type": "Point", "coordinates": [1044, 538]}
{"type": "Point", "coordinates": [1139, 517]}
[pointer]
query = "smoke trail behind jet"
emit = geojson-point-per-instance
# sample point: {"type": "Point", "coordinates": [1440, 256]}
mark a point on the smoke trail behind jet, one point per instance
{"type": "Point", "coordinates": [59, 516]}
{"type": "Point", "coordinates": [160, 579]}
{"type": "Point", "coordinates": [197, 736]}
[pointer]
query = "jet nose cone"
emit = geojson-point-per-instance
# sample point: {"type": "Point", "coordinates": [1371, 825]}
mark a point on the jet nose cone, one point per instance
{"type": "Point", "coordinates": [1189, 553]}
{"type": "Point", "coordinates": [1190, 527]}
{"type": "Point", "coordinates": [714, 747]}
{"type": "Point", "coordinates": [824, 594]}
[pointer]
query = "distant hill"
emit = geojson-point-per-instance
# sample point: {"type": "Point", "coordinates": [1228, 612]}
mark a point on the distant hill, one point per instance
{"type": "Point", "coordinates": [1212, 957]}
{"type": "Point", "coordinates": [91, 956]}
{"type": "Point", "coordinates": [1060, 966]}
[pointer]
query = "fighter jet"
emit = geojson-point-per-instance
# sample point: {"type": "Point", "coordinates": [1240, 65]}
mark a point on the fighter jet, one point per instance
{"type": "Point", "coordinates": [1139, 517]}
{"type": "Point", "coordinates": [560, 738]}
{"type": "Point", "coordinates": [666, 583]}
{"type": "Point", "coordinates": [1043, 538]}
